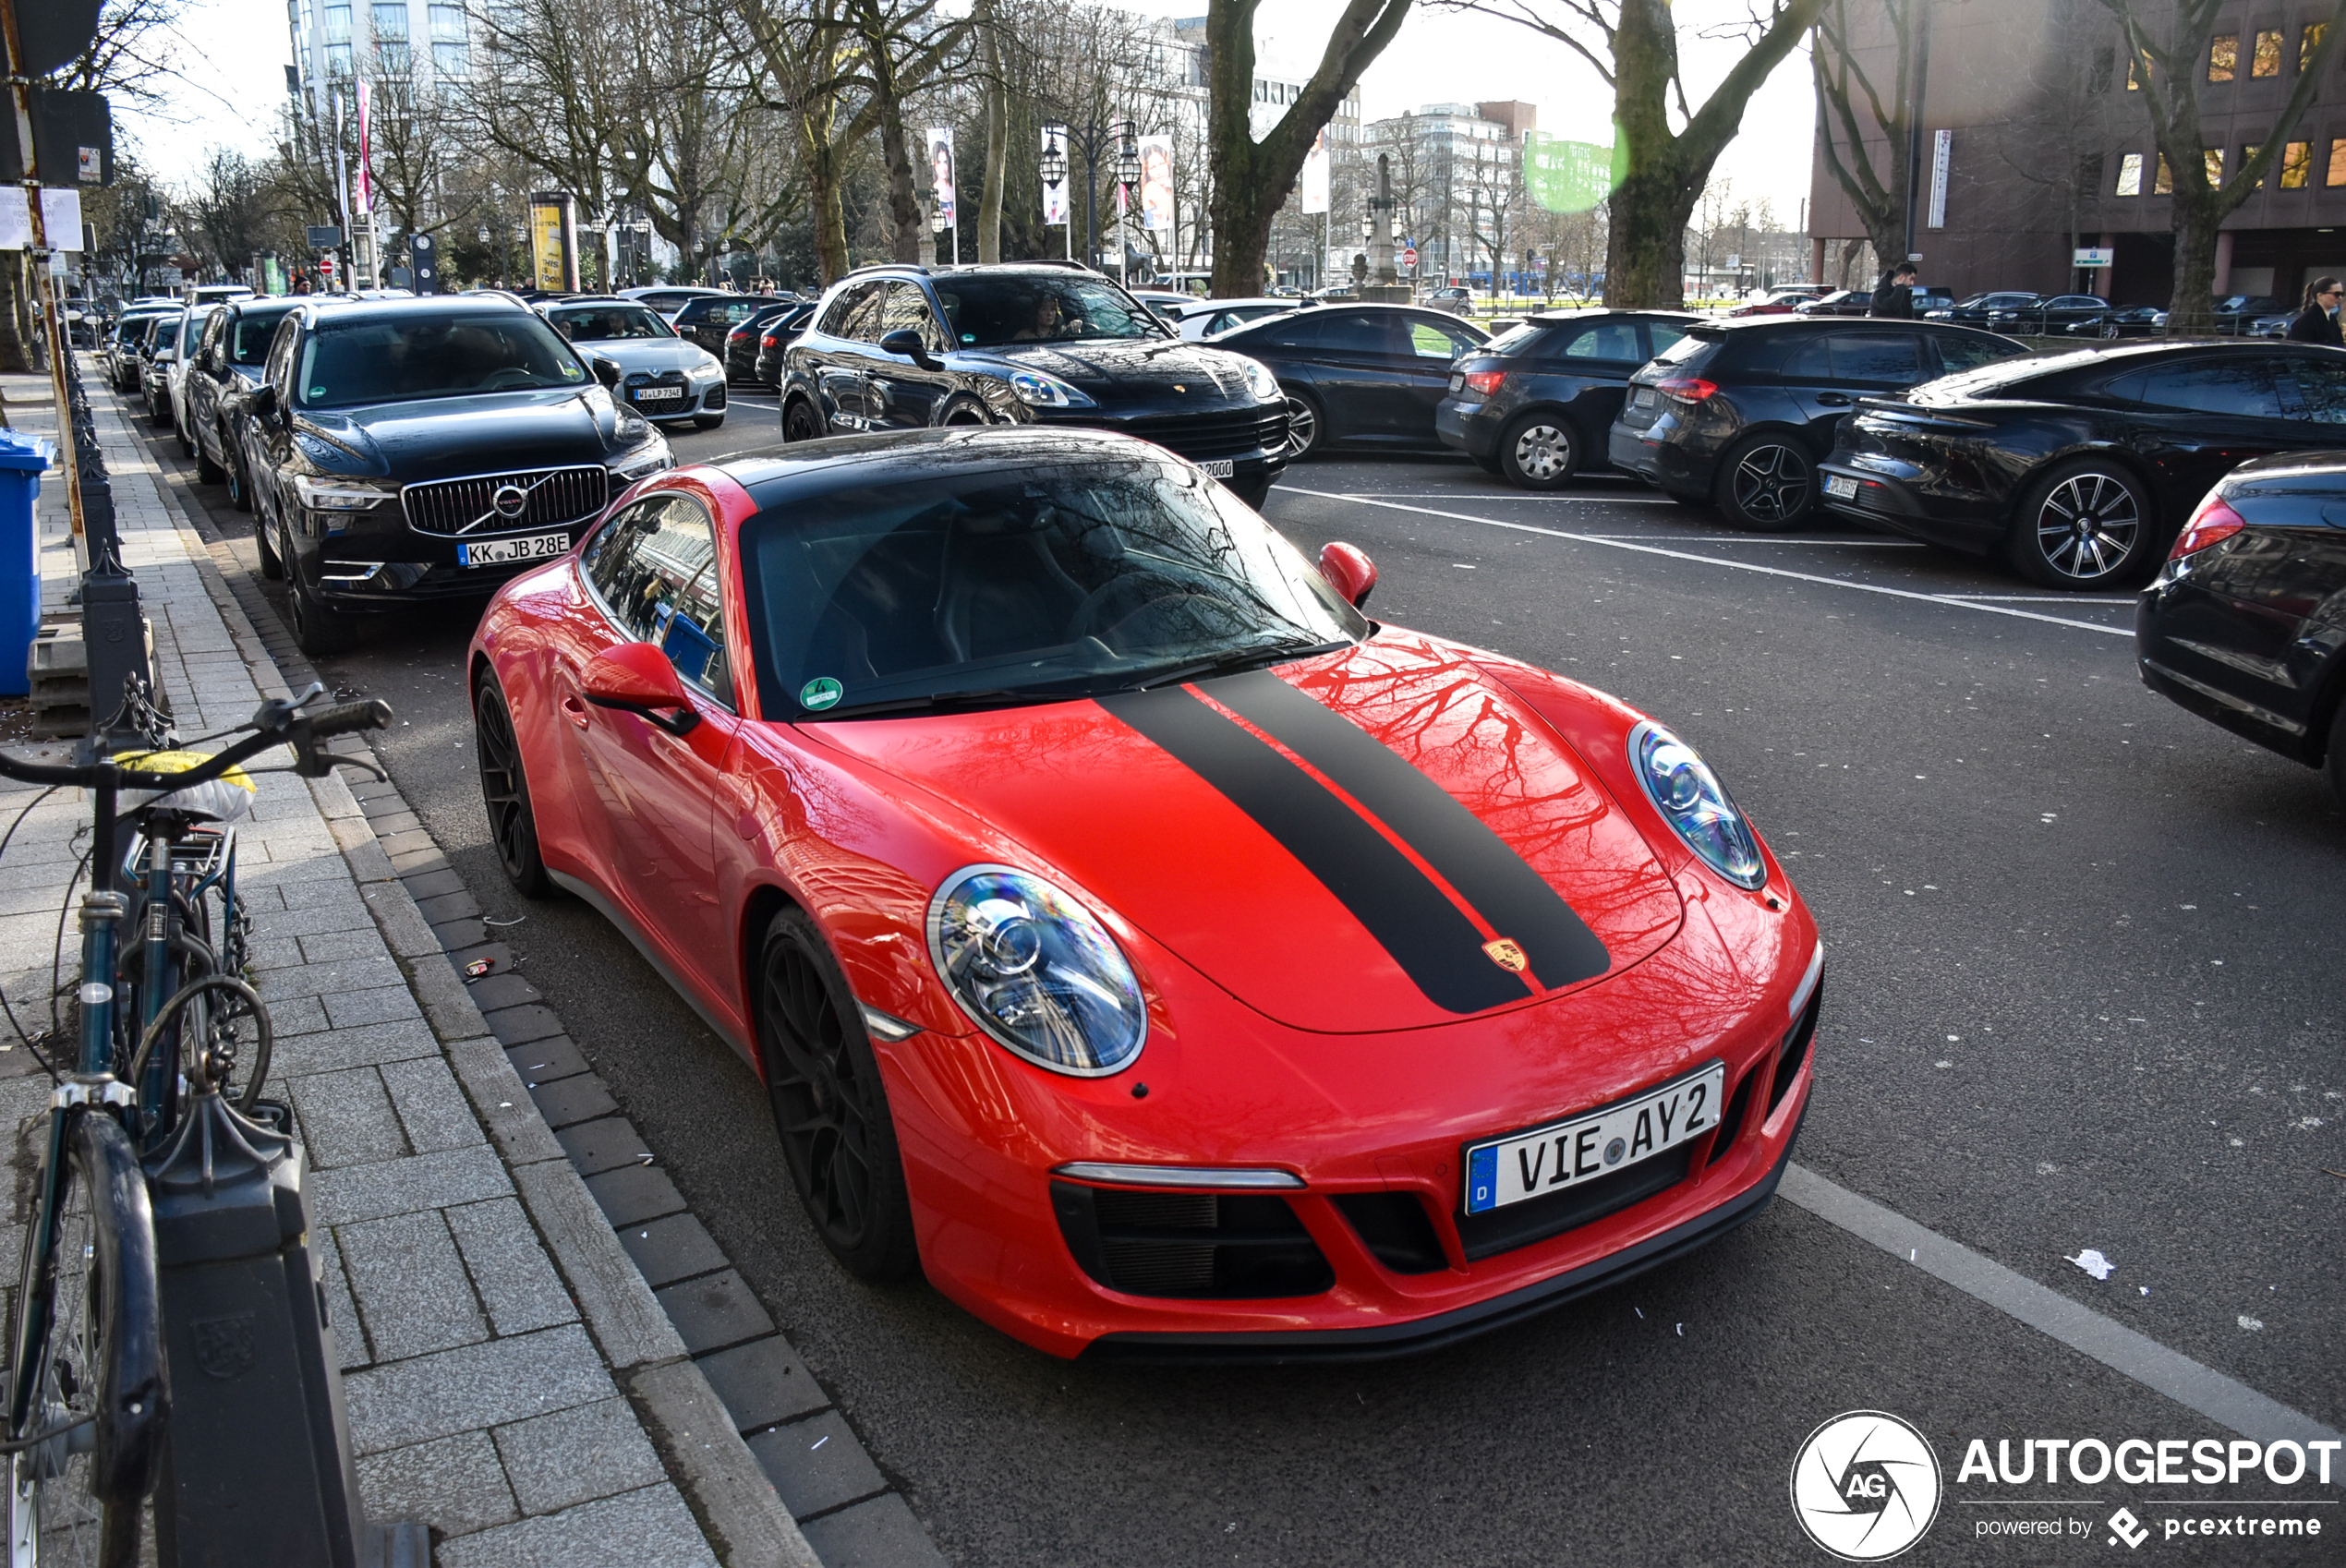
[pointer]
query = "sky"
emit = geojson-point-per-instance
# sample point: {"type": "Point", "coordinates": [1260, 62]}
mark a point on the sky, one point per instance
{"type": "Point", "coordinates": [233, 54]}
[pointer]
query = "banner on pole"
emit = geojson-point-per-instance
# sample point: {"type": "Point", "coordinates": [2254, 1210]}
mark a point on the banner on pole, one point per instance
{"type": "Point", "coordinates": [1054, 160]}
{"type": "Point", "coordinates": [366, 187]}
{"type": "Point", "coordinates": [1315, 174]}
{"type": "Point", "coordinates": [940, 163]}
{"type": "Point", "coordinates": [1568, 176]}
{"type": "Point", "coordinates": [553, 246]}
{"type": "Point", "coordinates": [1157, 183]}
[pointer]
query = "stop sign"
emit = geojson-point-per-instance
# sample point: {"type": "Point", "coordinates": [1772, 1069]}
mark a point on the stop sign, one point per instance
{"type": "Point", "coordinates": [1410, 256]}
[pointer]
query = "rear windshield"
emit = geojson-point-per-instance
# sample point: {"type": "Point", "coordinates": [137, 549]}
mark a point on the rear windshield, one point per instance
{"type": "Point", "coordinates": [395, 358]}
{"type": "Point", "coordinates": [248, 335]}
{"type": "Point", "coordinates": [1690, 354]}
{"type": "Point", "coordinates": [1514, 339]}
{"type": "Point", "coordinates": [986, 312]}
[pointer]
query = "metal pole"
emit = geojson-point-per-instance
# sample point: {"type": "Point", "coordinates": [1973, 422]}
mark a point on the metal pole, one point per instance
{"type": "Point", "coordinates": [21, 90]}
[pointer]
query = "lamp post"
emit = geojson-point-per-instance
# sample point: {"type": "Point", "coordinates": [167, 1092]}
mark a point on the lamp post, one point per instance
{"type": "Point", "coordinates": [1055, 175]}
{"type": "Point", "coordinates": [1093, 140]}
{"type": "Point", "coordinates": [1127, 176]}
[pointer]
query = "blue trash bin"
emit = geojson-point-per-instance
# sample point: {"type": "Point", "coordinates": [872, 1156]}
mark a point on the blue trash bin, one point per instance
{"type": "Point", "coordinates": [22, 459]}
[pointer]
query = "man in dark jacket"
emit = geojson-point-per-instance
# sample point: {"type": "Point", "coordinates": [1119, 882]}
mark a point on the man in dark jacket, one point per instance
{"type": "Point", "coordinates": [2315, 323]}
{"type": "Point", "coordinates": [1898, 299]}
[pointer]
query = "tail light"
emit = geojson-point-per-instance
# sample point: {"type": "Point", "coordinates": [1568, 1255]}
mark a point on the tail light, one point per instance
{"type": "Point", "coordinates": [2212, 524]}
{"type": "Point", "coordinates": [1686, 389]}
{"type": "Point", "coordinates": [767, 341]}
{"type": "Point", "coordinates": [1483, 383]}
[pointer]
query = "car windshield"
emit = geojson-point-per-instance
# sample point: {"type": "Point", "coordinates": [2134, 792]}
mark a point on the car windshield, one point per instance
{"type": "Point", "coordinates": [999, 586]}
{"type": "Point", "coordinates": [607, 323]}
{"type": "Point", "coordinates": [987, 312]}
{"type": "Point", "coordinates": [389, 358]}
{"type": "Point", "coordinates": [248, 335]}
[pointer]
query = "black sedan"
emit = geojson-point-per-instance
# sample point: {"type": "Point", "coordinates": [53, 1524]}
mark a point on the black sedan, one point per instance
{"type": "Point", "coordinates": [1739, 411]}
{"type": "Point", "coordinates": [228, 360]}
{"type": "Point", "coordinates": [2235, 311]}
{"type": "Point", "coordinates": [1533, 404]}
{"type": "Point", "coordinates": [899, 347]}
{"type": "Point", "coordinates": [709, 318]}
{"type": "Point", "coordinates": [2119, 321]}
{"type": "Point", "coordinates": [2048, 317]}
{"type": "Point", "coordinates": [1981, 310]}
{"type": "Point", "coordinates": [1840, 302]}
{"type": "Point", "coordinates": [2242, 626]}
{"type": "Point", "coordinates": [754, 349]}
{"type": "Point", "coordinates": [411, 450]}
{"type": "Point", "coordinates": [1360, 375]}
{"type": "Point", "coordinates": [2079, 468]}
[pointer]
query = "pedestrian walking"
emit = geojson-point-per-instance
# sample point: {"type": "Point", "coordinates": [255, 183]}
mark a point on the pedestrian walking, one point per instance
{"type": "Point", "coordinates": [1898, 299]}
{"type": "Point", "coordinates": [2317, 322]}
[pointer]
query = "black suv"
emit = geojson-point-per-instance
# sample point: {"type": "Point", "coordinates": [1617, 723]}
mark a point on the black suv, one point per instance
{"type": "Point", "coordinates": [228, 360]}
{"type": "Point", "coordinates": [705, 320]}
{"type": "Point", "coordinates": [1739, 411]}
{"type": "Point", "coordinates": [905, 347]}
{"type": "Point", "coordinates": [418, 449]}
{"type": "Point", "coordinates": [1534, 403]}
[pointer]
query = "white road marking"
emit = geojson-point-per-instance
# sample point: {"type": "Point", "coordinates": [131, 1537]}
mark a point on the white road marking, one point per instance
{"type": "Point", "coordinates": [1446, 495]}
{"type": "Point", "coordinates": [1951, 603]}
{"type": "Point", "coordinates": [2042, 598]}
{"type": "Point", "coordinates": [1771, 540]}
{"type": "Point", "coordinates": [2223, 1400]}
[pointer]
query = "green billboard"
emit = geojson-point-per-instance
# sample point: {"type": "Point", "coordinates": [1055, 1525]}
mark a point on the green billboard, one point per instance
{"type": "Point", "coordinates": [1566, 176]}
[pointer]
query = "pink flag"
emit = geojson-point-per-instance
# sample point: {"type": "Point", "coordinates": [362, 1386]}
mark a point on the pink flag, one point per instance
{"type": "Point", "coordinates": [366, 181]}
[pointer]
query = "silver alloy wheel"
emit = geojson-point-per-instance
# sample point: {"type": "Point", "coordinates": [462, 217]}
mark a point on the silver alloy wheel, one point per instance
{"type": "Point", "coordinates": [1771, 483]}
{"type": "Point", "coordinates": [1543, 454]}
{"type": "Point", "coordinates": [2088, 525]}
{"type": "Point", "coordinates": [1303, 426]}
{"type": "Point", "coordinates": [2110, 328]}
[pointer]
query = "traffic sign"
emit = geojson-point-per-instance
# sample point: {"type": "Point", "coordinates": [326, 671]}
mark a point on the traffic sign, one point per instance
{"type": "Point", "coordinates": [324, 237]}
{"type": "Point", "coordinates": [1410, 256]}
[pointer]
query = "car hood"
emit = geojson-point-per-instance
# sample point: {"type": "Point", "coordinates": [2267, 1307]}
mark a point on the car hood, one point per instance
{"type": "Point", "coordinates": [1295, 875]}
{"type": "Point", "coordinates": [1122, 367]}
{"type": "Point", "coordinates": [440, 436]}
{"type": "Point", "coordinates": [653, 355]}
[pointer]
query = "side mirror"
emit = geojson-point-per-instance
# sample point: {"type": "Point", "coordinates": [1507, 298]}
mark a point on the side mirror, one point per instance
{"type": "Point", "coordinates": [636, 678]}
{"type": "Point", "coordinates": [1350, 571]}
{"type": "Point", "coordinates": [259, 402]}
{"type": "Point", "coordinates": [906, 342]}
{"type": "Point", "coordinates": [606, 370]}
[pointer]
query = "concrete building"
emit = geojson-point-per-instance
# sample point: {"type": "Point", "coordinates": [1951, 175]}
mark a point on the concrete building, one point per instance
{"type": "Point", "coordinates": [2034, 142]}
{"type": "Point", "coordinates": [1456, 171]}
{"type": "Point", "coordinates": [335, 40]}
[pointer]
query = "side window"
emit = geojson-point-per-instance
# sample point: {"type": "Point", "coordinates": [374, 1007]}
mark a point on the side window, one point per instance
{"type": "Point", "coordinates": [1662, 334]}
{"type": "Point", "coordinates": [1811, 361]}
{"type": "Point", "coordinates": [2312, 391]}
{"type": "Point", "coordinates": [1962, 352]}
{"type": "Point", "coordinates": [907, 310]}
{"type": "Point", "coordinates": [279, 371]}
{"type": "Point", "coordinates": [1609, 342]}
{"type": "Point", "coordinates": [655, 567]}
{"type": "Point", "coordinates": [1355, 334]}
{"type": "Point", "coordinates": [208, 351]}
{"type": "Point", "coordinates": [2235, 385]}
{"type": "Point", "coordinates": [1303, 331]}
{"type": "Point", "coordinates": [1889, 359]}
{"type": "Point", "coordinates": [838, 320]}
{"type": "Point", "coordinates": [1430, 341]}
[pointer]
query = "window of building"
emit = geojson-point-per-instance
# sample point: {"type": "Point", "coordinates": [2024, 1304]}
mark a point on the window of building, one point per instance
{"type": "Point", "coordinates": [2105, 67]}
{"type": "Point", "coordinates": [2212, 159]}
{"type": "Point", "coordinates": [2337, 175]}
{"type": "Point", "coordinates": [2089, 167]}
{"type": "Point", "coordinates": [390, 21]}
{"type": "Point", "coordinates": [452, 60]}
{"type": "Point", "coordinates": [2133, 73]}
{"type": "Point", "coordinates": [2266, 61]}
{"type": "Point", "coordinates": [448, 24]}
{"type": "Point", "coordinates": [2130, 174]}
{"type": "Point", "coordinates": [2309, 42]}
{"type": "Point", "coordinates": [338, 61]}
{"type": "Point", "coordinates": [2248, 155]}
{"type": "Point", "coordinates": [337, 24]}
{"type": "Point", "coordinates": [2164, 184]}
{"type": "Point", "coordinates": [395, 59]}
{"type": "Point", "coordinates": [2223, 56]}
{"type": "Point", "coordinates": [2296, 163]}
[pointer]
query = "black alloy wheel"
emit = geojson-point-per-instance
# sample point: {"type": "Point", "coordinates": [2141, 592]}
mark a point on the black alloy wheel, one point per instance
{"type": "Point", "coordinates": [2111, 331]}
{"type": "Point", "coordinates": [318, 629]}
{"type": "Point", "coordinates": [239, 481]}
{"type": "Point", "coordinates": [504, 792]}
{"type": "Point", "coordinates": [1306, 426]}
{"type": "Point", "coordinates": [207, 471]}
{"type": "Point", "coordinates": [1767, 484]}
{"type": "Point", "coordinates": [2084, 526]}
{"type": "Point", "coordinates": [831, 1109]}
{"type": "Point", "coordinates": [273, 565]}
{"type": "Point", "coordinates": [1539, 452]}
{"type": "Point", "coordinates": [799, 423]}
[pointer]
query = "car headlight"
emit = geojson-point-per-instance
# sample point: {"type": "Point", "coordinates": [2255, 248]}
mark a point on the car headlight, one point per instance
{"type": "Point", "coordinates": [336, 494]}
{"type": "Point", "coordinates": [1038, 390]}
{"type": "Point", "coordinates": [1036, 970]}
{"type": "Point", "coordinates": [1259, 380]}
{"type": "Point", "coordinates": [649, 458]}
{"type": "Point", "coordinates": [1684, 790]}
{"type": "Point", "coordinates": [707, 370]}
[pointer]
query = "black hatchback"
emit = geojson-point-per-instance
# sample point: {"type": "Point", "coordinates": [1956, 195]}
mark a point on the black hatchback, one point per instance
{"type": "Point", "coordinates": [1360, 375]}
{"type": "Point", "coordinates": [1740, 412]}
{"type": "Point", "coordinates": [904, 347]}
{"type": "Point", "coordinates": [2241, 626]}
{"type": "Point", "coordinates": [1533, 404]}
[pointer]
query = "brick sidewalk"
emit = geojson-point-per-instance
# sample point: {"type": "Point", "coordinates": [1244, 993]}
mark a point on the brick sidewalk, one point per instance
{"type": "Point", "coordinates": [511, 1380]}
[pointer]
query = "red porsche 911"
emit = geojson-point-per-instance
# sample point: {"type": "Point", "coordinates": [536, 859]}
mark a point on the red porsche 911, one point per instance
{"type": "Point", "coordinates": [1162, 956]}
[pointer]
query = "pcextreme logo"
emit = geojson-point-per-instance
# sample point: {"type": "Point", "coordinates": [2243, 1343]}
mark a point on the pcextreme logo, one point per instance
{"type": "Point", "coordinates": [1866, 1485]}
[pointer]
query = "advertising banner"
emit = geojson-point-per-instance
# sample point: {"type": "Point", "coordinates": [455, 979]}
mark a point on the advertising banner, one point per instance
{"type": "Point", "coordinates": [1566, 176]}
{"type": "Point", "coordinates": [366, 187]}
{"type": "Point", "coordinates": [1157, 184]}
{"type": "Point", "coordinates": [1315, 174]}
{"type": "Point", "coordinates": [1055, 202]}
{"type": "Point", "coordinates": [554, 243]}
{"type": "Point", "coordinates": [940, 165]}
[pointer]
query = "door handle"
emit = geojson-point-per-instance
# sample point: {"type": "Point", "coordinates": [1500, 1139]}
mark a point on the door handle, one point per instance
{"type": "Point", "coordinates": [1834, 400]}
{"type": "Point", "coordinates": [576, 710]}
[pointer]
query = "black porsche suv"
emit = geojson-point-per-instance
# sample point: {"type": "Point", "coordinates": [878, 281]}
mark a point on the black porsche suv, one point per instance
{"type": "Point", "coordinates": [905, 347]}
{"type": "Point", "coordinates": [417, 450]}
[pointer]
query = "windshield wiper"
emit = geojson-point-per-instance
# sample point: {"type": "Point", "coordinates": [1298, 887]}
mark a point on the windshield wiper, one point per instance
{"type": "Point", "coordinates": [938, 702]}
{"type": "Point", "coordinates": [1231, 659]}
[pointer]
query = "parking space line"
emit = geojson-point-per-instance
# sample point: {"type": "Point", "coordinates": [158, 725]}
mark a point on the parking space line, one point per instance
{"type": "Point", "coordinates": [2042, 598]}
{"type": "Point", "coordinates": [1951, 603]}
{"type": "Point", "coordinates": [1771, 540]}
{"type": "Point", "coordinates": [1444, 495]}
{"type": "Point", "coordinates": [2223, 1400]}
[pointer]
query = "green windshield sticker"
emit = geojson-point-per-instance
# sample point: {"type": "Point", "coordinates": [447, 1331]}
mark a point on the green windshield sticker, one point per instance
{"type": "Point", "coordinates": [317, 391]}
{"type": "Point", "coordinates": [570, 372]}
{"type": "Point", "coordinates": [819, 694]}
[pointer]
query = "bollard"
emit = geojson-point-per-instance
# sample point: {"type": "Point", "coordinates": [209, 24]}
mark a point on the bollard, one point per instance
{"type": "Point", "coordinates": [257, 1465]}
{"type": "Point", "coordinates": [113, 637]}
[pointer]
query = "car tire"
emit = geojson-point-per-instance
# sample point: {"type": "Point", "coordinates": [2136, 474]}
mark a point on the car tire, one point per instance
{"type": "Point", "coordinates": [207, 471]}
{"type": "Point", "coordinates": [2110, 331]}
{"type": "Point", "coordinates": [1540, 452]}
{"type": "Point", "coordinates": [799, 421]}
{"type": "Point", "coordinates": [831, 1108]}
{"type": "Point", "coordinates": [318, 629]}
{"type": "Point", "coordinates": [963, 414]}
{"type": "Point", "coordinates": [708, 421]}
{"type": "Point", "coordinates": [1489, 464]}
{"type": "Point", "coordinates": [504, 792]}
{"type": "Point", "coordinates": [1307, 427]}
{"type": "Point", "coordinates": [187, 447]}
{"type": "Point", "coordinates": [239, 482]}
{"type": "Point", "coordinates": [273, 565]}
{"type": "Point", "coordinates": [1767, 483]}
{"type": "Point", "coordinates": [2084, 526]}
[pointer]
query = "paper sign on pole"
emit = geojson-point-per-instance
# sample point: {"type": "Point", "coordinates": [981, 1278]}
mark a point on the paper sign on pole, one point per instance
{"type": "Point", "coordinates": [1315, 174]}
{"type": "Point", "coordinates": [61, 216]}
{"type": "Point", "coordinates": [940, 163]}
{"type": "Point", "coordinates": [16, 219]}
{"type": "Point", "coordinates": [1054, 192]}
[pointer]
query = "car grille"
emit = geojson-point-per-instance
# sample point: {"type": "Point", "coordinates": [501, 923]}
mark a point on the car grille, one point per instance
{"type": "Point", "coordinates": [1235, 433]}
{"type": "Point", "coordinates": [1193, 1245]}
{"type": "Point", "coordinates": [556, 497]}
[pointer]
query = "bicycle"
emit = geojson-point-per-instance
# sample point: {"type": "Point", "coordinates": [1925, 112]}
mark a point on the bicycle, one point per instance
{"type": "Point", "coordinates": [86, 1396]}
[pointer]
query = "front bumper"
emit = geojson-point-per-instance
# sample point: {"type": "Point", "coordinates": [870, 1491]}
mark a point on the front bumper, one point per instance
{"type": "Point", "coordinates": [1250, 438]}
{"type": "Point", "coordinates": [373, 561]}
{"type": "Point", "coordinates": [692, 399]}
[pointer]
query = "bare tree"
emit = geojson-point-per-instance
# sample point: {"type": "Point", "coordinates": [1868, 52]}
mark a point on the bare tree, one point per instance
{"type": "Point", "coordinates": [1865, 128]}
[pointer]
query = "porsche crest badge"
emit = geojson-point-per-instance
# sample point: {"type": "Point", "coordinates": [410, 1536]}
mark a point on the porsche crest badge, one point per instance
{"type": "Point", "coordinates": [1507, 955]}
{"type": "Point", "coordinates": [1180, 388]}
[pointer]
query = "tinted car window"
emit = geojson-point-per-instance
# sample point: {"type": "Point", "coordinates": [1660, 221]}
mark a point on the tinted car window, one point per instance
{"type": "Point", "coordinates": [385, 359]}
{"type": "Point", "coordinates": [1964, 353]}
{"type": "Point", "coordinates": [1356, 334]}
{"type": "Point", "coordinates": [2313, 391]}
{"type": "Point", "coordinates": [1888, 359]}
{"type": "Point", "coordinates": [1664, 336]}
{"type": "Point", "coordinates": [605, 324]}
{"type": "Point", "coordinates": [1613, 341]}
{"type": "Point", "coordinates": [1430, 341]}
{"type": "Point", "coordinates": [988, 311]}
{"type": "Point", "coordinates": [906, 308]}
{"type": "Point", "coordinates": [1302, 332]}
{"type": "Point", "coordinates": [2231, 385]}
{"type": "Point", "coordinates": [838, 319]}
{"type": "Point", "coordinates": [249, 336]}
{"type": "Point", "coordinates": [1690, 354]}
{"type": "Point", "coordinates": [655, 567]}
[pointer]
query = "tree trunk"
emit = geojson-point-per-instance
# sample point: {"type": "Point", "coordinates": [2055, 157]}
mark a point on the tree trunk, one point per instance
{"type": "Point", "coordinates": [998, 146]}
{"type": "Point", "coordinates": [16, 354]}
{"type": "Point", "coordinates": [2192, 312]}
{"type": "Point", "coordinates": [826, 201]}
{"type": "Point", "coordinates": [1645, 253]}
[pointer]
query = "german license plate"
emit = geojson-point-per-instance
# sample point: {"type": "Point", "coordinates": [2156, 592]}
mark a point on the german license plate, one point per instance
{"type": "Point", "coordinates": [1220, 467]}
{"type": "Point", "coordinates": [497, 552]}
{"type": "Point", "coordinates": [659, 394]}
{"type": "Point", "coordinates": [1841, 487]}
{"type": "Point", "coordinates": [1530, 1165]}
{"type": "Point", "coordinates": [1641, 398]}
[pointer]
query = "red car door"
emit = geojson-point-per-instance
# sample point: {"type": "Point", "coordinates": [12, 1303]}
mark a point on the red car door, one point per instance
{"type": "Point", "coordinates": [652, 572]}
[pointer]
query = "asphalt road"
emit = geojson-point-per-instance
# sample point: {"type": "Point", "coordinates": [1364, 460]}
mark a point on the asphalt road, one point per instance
{"type": "Point", "coordinates": [2083, 992]}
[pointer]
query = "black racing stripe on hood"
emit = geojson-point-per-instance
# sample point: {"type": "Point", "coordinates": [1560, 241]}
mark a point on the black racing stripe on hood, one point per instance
{"type": "Point", "coordinates": [1427, 934]}
{"type": "Point", "coordinates": [1487, 873]}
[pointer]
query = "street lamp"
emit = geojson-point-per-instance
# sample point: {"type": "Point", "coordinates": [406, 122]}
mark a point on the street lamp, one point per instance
{"type": "Point", "coordinates": [1053, 163]}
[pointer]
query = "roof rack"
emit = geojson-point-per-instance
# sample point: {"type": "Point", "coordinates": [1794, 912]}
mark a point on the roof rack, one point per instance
{"type": "Point", "coordinates": [885, 266]}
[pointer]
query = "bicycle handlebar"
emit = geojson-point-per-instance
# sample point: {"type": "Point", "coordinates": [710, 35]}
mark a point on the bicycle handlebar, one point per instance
{"type": "Point", "coordinates": [276, 723]}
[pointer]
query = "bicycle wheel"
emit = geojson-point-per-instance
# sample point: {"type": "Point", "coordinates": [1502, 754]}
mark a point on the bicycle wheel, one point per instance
{"type": "Point", "coordinates": [87, 1313]}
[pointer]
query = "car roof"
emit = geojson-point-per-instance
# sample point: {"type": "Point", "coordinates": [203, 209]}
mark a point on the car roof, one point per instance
{"type": "Point", "coordinates": [338, 307]}
{"type": "Point", "coordinates": [774, 473]}
{"type": "Point", "coordinates": [1594, 312]}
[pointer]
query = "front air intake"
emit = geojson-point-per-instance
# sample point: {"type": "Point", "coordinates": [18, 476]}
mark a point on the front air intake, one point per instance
{"type": "Point", "coordinates": [1195, 1244]}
